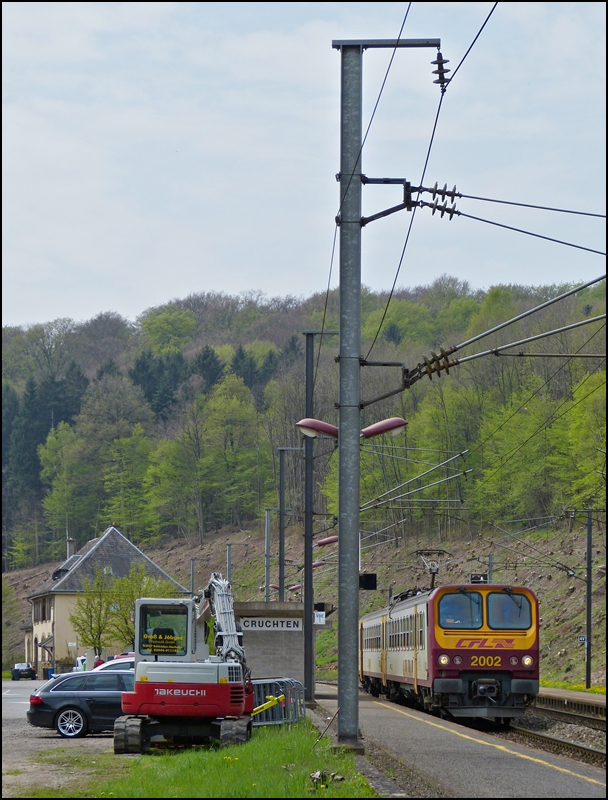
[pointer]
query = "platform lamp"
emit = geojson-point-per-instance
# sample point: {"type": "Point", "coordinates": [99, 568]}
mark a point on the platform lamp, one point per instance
{"type": "Point", "coordinates": [316, 427]}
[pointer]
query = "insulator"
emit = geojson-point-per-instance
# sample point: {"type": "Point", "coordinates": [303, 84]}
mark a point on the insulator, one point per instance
{"type": "Point", "coordinates": [452, 194]}
{"type": "Point", "coordinates": [441, 71]}
{"type": "Point", "coordinates": [444, 208]}
{"type": "Point", "coordinates": [434, 206]}
{"type": "Point", "coordinates": [443, 191]}
{"type": "Point", "coordinates": [434, 190]}
{"type": "Point", "coordinates": [452, 211]}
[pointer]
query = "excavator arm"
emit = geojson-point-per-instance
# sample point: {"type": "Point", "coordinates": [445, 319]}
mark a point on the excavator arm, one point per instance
{"type": "Point", "coordinates": [216, 601]}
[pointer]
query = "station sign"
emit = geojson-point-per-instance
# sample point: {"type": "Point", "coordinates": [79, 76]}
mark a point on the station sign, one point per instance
{"type": "Point", "coordinates": [272, 624]}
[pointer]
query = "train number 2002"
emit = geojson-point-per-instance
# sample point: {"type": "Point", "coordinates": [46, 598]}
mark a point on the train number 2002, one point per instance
{"type": "Point", "coordinates": [486, 661]}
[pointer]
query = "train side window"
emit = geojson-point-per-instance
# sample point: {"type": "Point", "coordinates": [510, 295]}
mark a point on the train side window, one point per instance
{"type": "Point", "coordinates": [510, 610]}
{"type": "Point", "coordinates": [460, 610]}
{"type": "Point", "coordinates": [421, 636]}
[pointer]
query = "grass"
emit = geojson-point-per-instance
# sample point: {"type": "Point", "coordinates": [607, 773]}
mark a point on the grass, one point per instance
{"type": "Point", "coordinates": [573, 687]}
{"type": "Point", "coordinates": [278, 761]}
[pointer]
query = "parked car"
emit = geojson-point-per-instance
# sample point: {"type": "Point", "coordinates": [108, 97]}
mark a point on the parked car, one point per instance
{"type": "Point", "coordinates": [75, 704]}
{"type": "Point", "coordinates": [120, 662]}
{"type": "Point", "coordinates": [80, 664]}
{"type": "Point", "coordinates": [23, 670]}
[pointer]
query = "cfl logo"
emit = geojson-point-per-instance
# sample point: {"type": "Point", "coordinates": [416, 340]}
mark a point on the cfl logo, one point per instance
{"type": "Point", "coordinates": [469, 643]}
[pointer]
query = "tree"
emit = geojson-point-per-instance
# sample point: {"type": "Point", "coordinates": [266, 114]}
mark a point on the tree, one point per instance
{"type": "Point", "coordinates": [123, 594]}
{"type": "Point", "coordinates": [206, 364]}
{"type": "Point", "coordinates": [50, 345]}
{"type": "Point", "coordinates": [123, 482]}
{"type": "Point", "coordinates": [169, 329]}
{"type": "Point", "coordinates": [73, 482]}
{"type": "Point", "coordinates": [91, 616]}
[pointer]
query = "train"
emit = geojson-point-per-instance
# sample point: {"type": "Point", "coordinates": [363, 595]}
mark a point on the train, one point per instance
{"type": "Point", "coordinates": [458, 651]}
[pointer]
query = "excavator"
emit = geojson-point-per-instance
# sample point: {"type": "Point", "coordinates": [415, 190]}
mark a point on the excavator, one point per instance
{"type": "Point", "coordinates": [182, 694]}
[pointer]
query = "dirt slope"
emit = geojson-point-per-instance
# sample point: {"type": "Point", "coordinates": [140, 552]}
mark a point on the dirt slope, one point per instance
{"type": "Point", "coordinates": [533, 560]}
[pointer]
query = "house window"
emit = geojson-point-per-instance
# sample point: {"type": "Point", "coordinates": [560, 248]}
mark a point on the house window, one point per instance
{"type": "Point", "coordinates": [42, 609]}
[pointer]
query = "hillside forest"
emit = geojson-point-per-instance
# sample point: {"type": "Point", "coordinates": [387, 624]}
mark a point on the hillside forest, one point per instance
{"type": "Point", "coordinates": [174, 425]}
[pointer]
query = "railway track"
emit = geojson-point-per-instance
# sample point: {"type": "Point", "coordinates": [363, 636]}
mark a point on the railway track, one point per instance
{"type": "Point", "coordinates": [553, 744]}
{"type": "Point", "coordinates": [590, 714]}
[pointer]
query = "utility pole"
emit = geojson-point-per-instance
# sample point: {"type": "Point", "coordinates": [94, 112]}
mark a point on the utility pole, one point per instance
{"type": "Point", "coordinates": [309, 641]}
{"type": "Point", "coordinates": [282, 519]}
{"type": "Point", "coordinates": [267, 555]}
{"type": "Point", "coordinates": [588, 630]}
{"type": "Point", "coordinates": [349, 358]}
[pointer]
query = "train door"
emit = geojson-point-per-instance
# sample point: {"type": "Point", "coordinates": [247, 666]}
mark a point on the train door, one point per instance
{"type": "Point", "coordinates": [383, 653]}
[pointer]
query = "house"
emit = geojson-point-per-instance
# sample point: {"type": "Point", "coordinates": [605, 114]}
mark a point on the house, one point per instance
{"type": "Point", "coordinates": [50, 640]}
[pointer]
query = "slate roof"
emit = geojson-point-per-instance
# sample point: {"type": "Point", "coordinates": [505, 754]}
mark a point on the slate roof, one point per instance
{"type": "Point", "coordinates": [111, 551]}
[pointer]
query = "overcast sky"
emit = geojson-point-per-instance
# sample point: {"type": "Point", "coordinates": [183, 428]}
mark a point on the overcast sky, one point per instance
{"type": "Point", "coordinates": [154, 150]}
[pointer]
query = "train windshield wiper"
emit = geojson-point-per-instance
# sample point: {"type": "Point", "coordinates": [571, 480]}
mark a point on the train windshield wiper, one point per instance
{"type": "Point", "coordinates": [473, 597]}
{"type": "Point", "coordinates": [512, 596]}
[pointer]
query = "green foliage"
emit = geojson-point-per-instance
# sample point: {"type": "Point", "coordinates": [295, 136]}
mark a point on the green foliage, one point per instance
{"type": "Point", "coordinates": [180, 446]}
{"type": "Point", "coordinates": [123, 593]}
{"type": "Point", "coordinates": [406, 322]}
{"type": "Point", "coordinates": [123, 484]}
{"type": "Point", "coordinates": [73, 483]}
{"type": "Point", "coordinates": [168, 330]}
{"type": "Point", "coordinates": [92, 612]}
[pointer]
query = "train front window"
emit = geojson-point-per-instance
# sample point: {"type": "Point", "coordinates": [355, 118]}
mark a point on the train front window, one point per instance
{"type": "Point", "coordinates": [510, 610]}
{"type": "Point", "coordinates": [460, 609]}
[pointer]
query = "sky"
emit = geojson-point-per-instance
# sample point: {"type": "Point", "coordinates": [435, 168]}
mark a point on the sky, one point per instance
{"type": "Point", "coordinates": [157, 150]}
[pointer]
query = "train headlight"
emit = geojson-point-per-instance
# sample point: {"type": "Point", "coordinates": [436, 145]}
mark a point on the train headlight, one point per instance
{"type": "Point", "coordinates": [443, 660]}
{"type": "Point", "coordinates": [527, 661]}
{"type": "Point", "coordinates": [458, 660]}
{"type": "Point", "coordinates": [514, 661]}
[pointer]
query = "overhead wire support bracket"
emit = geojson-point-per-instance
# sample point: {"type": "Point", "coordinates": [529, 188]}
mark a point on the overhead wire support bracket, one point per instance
{"type": "Point", "coordinates": [407, 197]}
{"type": "Point", "coordinates": [404, 379]}
{"type": "Point", "coordinates": [408, 203]}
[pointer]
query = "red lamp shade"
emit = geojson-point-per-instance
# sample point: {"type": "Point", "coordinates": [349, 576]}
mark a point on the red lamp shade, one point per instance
{"type": "Point", "coordinates": [328, 540]}
{"type": "Point", "coordinates": [316, 427]}
{"type": "Point", "coordinates": [392, 426]}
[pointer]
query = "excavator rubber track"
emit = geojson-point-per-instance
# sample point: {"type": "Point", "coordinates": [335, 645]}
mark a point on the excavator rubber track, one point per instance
{"type": "Point", "coordinates": [130, 735]}
{"type": "Point", "coordinates": [234, 731]}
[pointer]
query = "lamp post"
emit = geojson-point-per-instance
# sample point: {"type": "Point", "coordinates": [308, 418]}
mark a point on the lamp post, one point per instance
{"type": "Point", "coordinates": [348, 562]}
{"type": "Point", "coordinates": [309, 655]}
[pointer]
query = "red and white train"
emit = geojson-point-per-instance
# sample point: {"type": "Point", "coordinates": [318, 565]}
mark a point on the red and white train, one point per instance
{"type": "Point", "coordinates": [461, 651]}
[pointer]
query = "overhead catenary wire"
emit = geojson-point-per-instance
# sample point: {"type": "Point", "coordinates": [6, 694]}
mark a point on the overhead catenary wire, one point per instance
{"type": "Point", "coordinates": [528, 233]}
{"type": "Point", "coordinates": [497, 350]}
{"type": "Point", "coordinates": [426, 161]}
{"type": "Point", "coordinates": [527, 205]}
{"type": "Point", "coordinates": [333, 250]}
{"type": "Point", "coordinates": [525, 314]}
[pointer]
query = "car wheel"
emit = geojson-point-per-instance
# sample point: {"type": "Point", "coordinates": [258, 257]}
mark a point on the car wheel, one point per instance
{"type": "Point", "coordinates": [71, 723]}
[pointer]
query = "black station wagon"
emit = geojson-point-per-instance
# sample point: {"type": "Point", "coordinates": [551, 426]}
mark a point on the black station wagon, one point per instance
{"type": "Point", "coordinates": [79, 703]}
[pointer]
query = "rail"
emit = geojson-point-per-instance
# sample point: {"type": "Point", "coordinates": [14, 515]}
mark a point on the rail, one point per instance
{"type": "Point", "coordinates": [590, 712]}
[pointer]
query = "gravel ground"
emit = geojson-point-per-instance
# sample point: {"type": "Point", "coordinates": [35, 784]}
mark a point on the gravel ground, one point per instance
{"type": "Point", "coordinates": [20, 745]}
